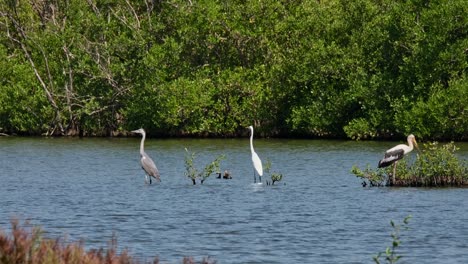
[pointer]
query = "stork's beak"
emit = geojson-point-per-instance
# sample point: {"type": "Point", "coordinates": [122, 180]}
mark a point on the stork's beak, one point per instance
{"type": "Point", "coordinates": [416, 145]}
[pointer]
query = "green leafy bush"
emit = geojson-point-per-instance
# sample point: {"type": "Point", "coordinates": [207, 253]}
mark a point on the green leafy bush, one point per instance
{"type": "Point", "coordinates": [275, 176]}
{"type": "Point", "coordinates": [193, 173]}
{"type": "Point", "coordinates": [435, 166]}
{"type": "Point", "coordinates": [438, 166]}
{"type": "Point", "coordinates": [359, 129]}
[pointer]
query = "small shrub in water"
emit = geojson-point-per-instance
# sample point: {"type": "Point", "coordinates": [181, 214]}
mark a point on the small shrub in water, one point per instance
{"type": "Point", "coordinates": [435, 166]}
{"type": "Point", "coordinates": [192, 172]}
{"type": "Point", "coordinates": [275, 176]}
{"type": "Point", "coordinates": [375, 178]}
{"type": "Point", "coordinates": [438, 166]}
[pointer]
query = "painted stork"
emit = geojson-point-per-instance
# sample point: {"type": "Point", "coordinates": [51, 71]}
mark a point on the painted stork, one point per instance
{"type": "Point", "coordinates": [257, 163]}
{"type": "Point", "coordinates": [393, 155]}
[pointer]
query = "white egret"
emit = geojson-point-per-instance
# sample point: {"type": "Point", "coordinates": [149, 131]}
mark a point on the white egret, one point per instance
{"type": "Point", "coordinates": [397, 153]}
{"type": "Point", "coordinates": [257, 163]}
{"type": "Point", "coordinates": [147, 163]}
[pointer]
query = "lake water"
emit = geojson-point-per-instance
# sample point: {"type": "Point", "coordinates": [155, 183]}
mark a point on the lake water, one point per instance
{"type": "Point", "coordinates": [91, 189]}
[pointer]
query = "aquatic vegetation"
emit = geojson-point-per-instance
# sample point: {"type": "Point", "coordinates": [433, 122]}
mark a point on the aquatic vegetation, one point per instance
{"type": "Point", "coordinates": [435, 166]}
{"type": "Point", "coordinates": [27, 245]}
{"type": "Point", "coordinates": [374, 178]}
{"type": "Point", "coordinates": [390, 253]}
{"type": "Point", "coordinates": [193, 173]}
{"type": "Point", "coordinates": [275, 176]}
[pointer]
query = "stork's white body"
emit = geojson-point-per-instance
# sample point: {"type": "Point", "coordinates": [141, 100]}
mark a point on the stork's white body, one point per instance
{"type": "Point", "coordinates": [396, 153]}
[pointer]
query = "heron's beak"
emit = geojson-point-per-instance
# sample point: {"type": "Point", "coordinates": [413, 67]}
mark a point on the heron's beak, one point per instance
{"type": "Point", "coordinates": [135, 131]}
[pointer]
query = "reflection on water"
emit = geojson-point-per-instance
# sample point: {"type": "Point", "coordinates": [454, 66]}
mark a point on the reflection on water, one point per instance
{"type": "Point", "coordinates": [90, 189]}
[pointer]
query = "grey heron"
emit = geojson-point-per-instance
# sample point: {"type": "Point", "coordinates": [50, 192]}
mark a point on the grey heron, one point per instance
{"type": "Point", "coordinates": [257, 163]}
{"type": "Point", "coordinates": [393, 155]}
{"type": "Point", "coordinates": [147, 163]}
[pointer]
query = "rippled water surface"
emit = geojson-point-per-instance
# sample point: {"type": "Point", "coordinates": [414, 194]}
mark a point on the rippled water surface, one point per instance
{"type": "Point", "coordinates": [91, 189]}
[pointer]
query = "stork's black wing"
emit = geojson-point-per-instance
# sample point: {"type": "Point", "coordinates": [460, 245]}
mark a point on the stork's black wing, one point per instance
{"type": "Point", "coordinates": [390, 157]}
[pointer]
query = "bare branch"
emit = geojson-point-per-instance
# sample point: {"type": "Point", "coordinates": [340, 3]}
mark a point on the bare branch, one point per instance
{"type": "Point", "coordinates": [28, 56]}
{"type": "Point", "coordinates": [134, 13]}
{"type": "Point", "coordinates": [93, 6]}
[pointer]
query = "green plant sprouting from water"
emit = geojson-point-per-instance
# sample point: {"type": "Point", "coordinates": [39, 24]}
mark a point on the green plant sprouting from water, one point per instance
{"type": "Point", "coordinates": [390, 253]}
{"type": "Point", "coordinates": [435, 166]}
{"type": "Point", "coordinates": [275, 176]}
{"type": "Point", "coordinates": [193, 173]}
{"type": "Point", "coordinates": [375, 178]}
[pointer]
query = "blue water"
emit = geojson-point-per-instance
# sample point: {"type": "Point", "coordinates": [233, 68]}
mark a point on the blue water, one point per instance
{"type": "Point", "coordinates": [93, 189]}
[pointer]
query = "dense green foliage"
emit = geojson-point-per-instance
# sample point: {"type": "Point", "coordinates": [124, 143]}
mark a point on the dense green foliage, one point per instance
{"type": "Point", "coordinates": [435, 166]}
{"type": "Point", "coordinates": [357, 69]}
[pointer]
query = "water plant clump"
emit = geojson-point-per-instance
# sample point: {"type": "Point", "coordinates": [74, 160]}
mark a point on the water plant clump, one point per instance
{"type": "Point", "coordinates": [435, 166]}
{"type": "Point", "coordinates": [193, 173]}
{"type": "Point", "coordinates": [275, 176]}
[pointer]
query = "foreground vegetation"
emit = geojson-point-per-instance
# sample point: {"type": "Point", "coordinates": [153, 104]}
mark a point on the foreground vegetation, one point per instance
{"type": "Point", "coordinates": [356, 69]}
{"type": "Point", "coordinates": [390, 255]}
{"type": "Point", "coordinates": [29, 246]}
{"type": "Point", "coordinates": [435, 166]}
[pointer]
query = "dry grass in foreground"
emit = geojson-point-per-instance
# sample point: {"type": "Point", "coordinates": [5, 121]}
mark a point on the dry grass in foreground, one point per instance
{"type": "Point", "coordinates": [29, 246]}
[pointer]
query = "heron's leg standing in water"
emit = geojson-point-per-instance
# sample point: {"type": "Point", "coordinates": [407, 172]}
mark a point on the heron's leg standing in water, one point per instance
{"type": "Point", "coordinates": [255, 178]}
{"type": "Point", "coordinates": [260, 177]}
{"type": "Point", "coordinates": [150, 180]}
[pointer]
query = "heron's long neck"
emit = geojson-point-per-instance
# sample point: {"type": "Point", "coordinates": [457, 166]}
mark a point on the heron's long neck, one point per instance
{"type": "Point", "coordinates": [251, 142]}
{"type": "Point", "coordinates": [142, 144]}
